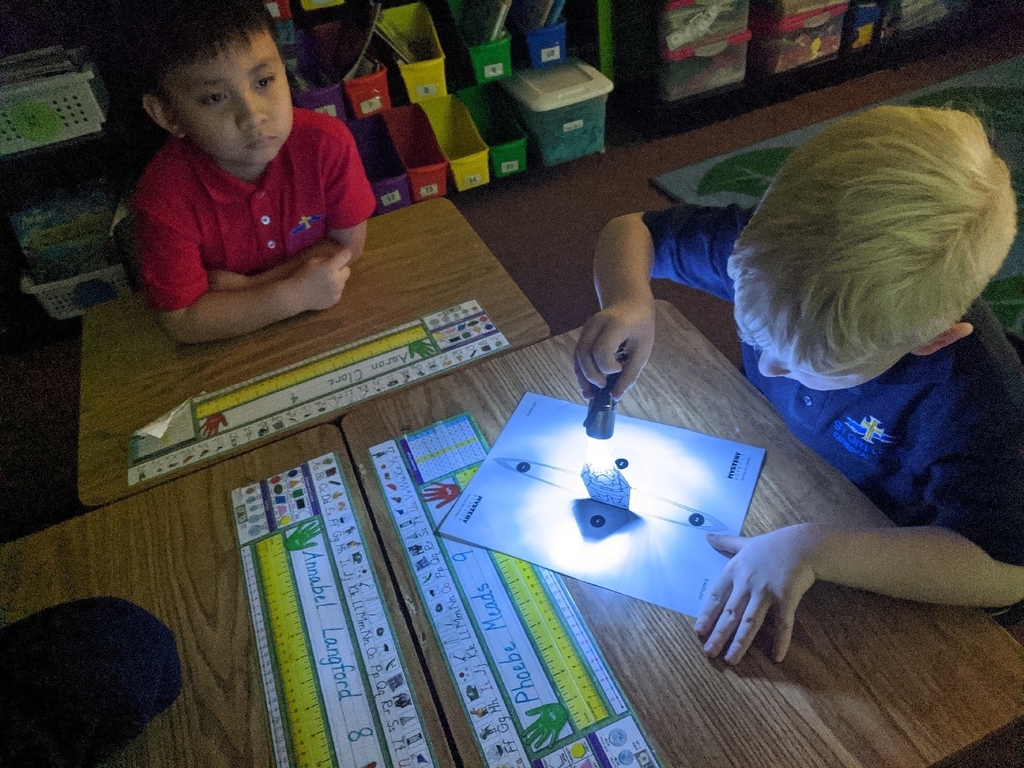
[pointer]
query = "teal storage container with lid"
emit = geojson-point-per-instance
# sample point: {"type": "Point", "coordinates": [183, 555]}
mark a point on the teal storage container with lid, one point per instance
{"type": "Point", "coordinates": [562, 108]}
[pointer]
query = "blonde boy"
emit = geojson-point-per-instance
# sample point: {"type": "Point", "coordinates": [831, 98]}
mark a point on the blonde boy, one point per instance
{"type": "Point", "coordinates": [252, 211]}
{"type": "Point", "coordinates": [856, 288]}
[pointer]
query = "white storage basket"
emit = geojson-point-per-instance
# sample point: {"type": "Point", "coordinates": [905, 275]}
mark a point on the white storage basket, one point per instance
{"type": "Point", "coordinates": [69, 298]}
{"type": "Point", "coordinates": [49, 110]}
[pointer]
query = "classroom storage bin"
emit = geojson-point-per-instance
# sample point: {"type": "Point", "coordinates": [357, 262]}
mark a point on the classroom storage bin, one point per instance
{"type": "Point", "coordinates": [279, 9]}
{"type": "Point", "coordinates": [418, 150]}
{"type": "Point", "coordinates": [562, 108]}
{"type": "Point", "coordinates": [710, 65]}
{"type": "Point", "coordinates": [424, 78]}
{"type": "Point", "coordinates": [384, 169]}
{"type": "Point", "coordinates": [287, 45]}
{"type": "Point", "coordinates": [315, 5]}
{"type": "Point", "coordinates": [460, 141]}
{"type": "Point", "coordinates": [65, 299]}
{"type": "Point", "coordinates": [505, 139]}
{"type": "Point", "coordinates": [492, 60]}
{"type": "Point", "coordinates": [50, 110]}
{"type": "Point", "coordinates": [910, 15]}
{"type": "Point", "coordinates": [780, 44]}
{"type": "Point", "coordinates": [369, 94]}
{"type": "Point", "coordinates": [859, 26]}
{"type": "Point", "coordinates": [539, 47]}
{"type": "Point", "coordinates": [64, 232]}
{"type": "Point", "coordinates": [480, 26]}
{"type": "Point", "coordinates": [329, 100]}
{"type": "Point", "coordinates": [783, 8]}
{"type": "Point", "coordinates": [684, 24]}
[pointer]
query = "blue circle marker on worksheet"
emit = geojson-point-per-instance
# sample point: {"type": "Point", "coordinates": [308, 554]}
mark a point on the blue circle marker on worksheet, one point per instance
{"type": "Point", "coordinates": [617, 737]}
{"type": "Point", "coordinates": [625, 757]}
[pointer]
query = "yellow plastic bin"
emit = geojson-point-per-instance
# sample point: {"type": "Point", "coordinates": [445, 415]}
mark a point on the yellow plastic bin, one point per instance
{"type": "Point", "coordinates": [460, 141]}
{"type": "Point", "coordinates": [424, 76]}
{"type": "Point", "coordinates": [562, 108]}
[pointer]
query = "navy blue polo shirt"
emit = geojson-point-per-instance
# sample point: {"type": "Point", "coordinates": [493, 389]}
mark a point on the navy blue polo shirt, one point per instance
{"type": "Point", "coordinates": [934, 440]}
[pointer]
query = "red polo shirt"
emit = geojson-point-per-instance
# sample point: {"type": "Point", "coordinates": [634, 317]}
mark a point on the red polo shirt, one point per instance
{"type": "Point", "coordinates": [193, 216]}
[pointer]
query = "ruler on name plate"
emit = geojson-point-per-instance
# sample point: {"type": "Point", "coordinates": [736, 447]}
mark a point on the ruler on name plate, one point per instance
{"type": "Point", "coordinates": [335, 681]}
{"type": "Point", "coordinates": [211, 424]}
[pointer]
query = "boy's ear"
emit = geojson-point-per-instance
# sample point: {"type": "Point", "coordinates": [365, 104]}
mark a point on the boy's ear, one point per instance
{"type": "Point", "coordinates": [162, 114]}
{"type": "Point", "coordinates": [955, 332]}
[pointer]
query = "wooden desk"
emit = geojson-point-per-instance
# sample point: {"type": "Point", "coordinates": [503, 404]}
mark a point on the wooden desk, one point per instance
{"type": "Point", "coordinates": [868, 681]}
{"type": "Point", "coordinates": [418, 260]}
{"type": "Point", "coordinates": [173, 550]}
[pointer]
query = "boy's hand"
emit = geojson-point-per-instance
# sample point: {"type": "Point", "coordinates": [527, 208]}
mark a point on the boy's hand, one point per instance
{"type": "Point", "coordinates": [766, 578]}
{"type": "Point", "coordinates": [626, 326]}
{"type": "Point", "coordinates": [321, 277]}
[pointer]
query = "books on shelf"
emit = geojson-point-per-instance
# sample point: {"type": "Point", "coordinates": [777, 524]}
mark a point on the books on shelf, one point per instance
{"type": "Point", "coordinates": [483, 20]}
{"type": "Point", "coordinates": [531, 14]}
{"type": "Point", "coordinates": [39, 64]}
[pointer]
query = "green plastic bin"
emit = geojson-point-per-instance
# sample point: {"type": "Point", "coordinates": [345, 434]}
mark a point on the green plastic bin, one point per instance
{"type": "Point", "coordinates": [498, 128]}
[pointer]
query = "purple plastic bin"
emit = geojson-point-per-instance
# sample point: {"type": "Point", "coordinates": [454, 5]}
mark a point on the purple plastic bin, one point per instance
{"type": "Point", "coordinates": [383, 166]}
{"type": "Point", "coordinates": [329, 100]}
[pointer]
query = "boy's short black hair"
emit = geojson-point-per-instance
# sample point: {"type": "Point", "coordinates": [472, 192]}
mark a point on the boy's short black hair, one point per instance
{"type": "Point", "coordinates": [176, 32]}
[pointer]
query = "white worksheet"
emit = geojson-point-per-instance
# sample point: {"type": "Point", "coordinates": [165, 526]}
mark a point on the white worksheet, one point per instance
{"type": "Point", "coordinates": [671, 486]}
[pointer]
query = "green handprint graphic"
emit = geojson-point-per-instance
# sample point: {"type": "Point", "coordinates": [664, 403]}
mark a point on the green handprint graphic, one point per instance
{"type": "Point", "coordinates": [303, 534]}
{"type": "Point", "coordinates": [423, 347]}
{"type": "Point", "coordinates": [543, 731]}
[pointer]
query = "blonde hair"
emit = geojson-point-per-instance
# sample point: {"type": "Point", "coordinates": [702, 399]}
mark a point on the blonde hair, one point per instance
{"type": "Point", "coordinates": [875, 236]}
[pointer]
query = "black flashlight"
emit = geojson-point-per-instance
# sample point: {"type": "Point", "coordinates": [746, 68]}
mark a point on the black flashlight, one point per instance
{"type": "Point", "coordinates": [600, 421]}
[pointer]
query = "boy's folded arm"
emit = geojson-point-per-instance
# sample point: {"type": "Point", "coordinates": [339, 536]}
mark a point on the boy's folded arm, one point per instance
{"type": "Point", "coordinates": [237, 304]}
{"type": "Point", "coordinates": [315, 281]}
{"type": "Point", "coordinates": [353, 238]}
{"type": "Point", "coordinates": [220, 314]}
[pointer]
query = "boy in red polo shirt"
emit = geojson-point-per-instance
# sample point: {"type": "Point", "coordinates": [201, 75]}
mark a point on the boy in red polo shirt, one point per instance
{"type": "Point", "coordinates": [252, 211]}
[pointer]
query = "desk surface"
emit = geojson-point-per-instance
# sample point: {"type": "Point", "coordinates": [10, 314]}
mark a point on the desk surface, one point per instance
{"type": "Point", "coordinates": [417, 260]}
{"type": "Point", "coordinates": [868, 681]}
{"type": "Point", "coordinates": [173, 550]}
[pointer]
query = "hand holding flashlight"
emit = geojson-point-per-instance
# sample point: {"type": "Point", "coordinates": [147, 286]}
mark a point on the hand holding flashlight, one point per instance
{"type": "Point", "coordinates": [600, 421]}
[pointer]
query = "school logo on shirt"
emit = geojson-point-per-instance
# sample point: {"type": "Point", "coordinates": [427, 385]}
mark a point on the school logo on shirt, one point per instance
{"type": "Point", "coordinates": [306, 222]}
{"type": "Point", "coordinates": [864, 438]}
